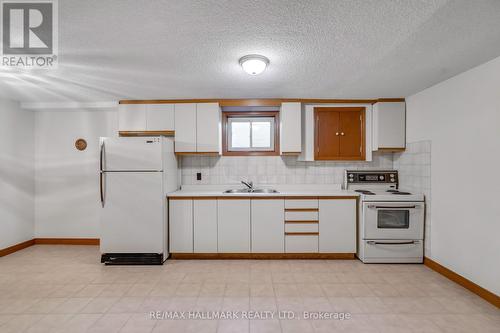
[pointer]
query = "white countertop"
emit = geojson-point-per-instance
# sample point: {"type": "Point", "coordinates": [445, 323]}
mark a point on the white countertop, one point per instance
{"type": "Point", "coordinates": [283, 191]}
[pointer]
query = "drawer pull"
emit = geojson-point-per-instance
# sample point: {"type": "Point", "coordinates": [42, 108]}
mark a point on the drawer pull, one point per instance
{"type": "Point", "coordinates": [301, 209]}
{"type": "Point", "coordinates": [301, 233]}
{"type": "Point", "coordinates": [392, 243]}
{"type": "Point", "coordinates": [312, 221]}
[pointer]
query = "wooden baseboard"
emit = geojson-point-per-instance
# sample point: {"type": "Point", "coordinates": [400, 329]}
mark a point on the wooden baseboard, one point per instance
{"type": "Point", "coordinates": [16, 247]}
{"type": "Point", "coordinates": [261, 256]}
{"type": "Point", "coordinates": [466, 283]}
{"type": "Point", "coordinates": [67, 241]}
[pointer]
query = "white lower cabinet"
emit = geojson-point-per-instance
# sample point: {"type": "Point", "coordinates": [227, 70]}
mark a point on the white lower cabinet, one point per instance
{"type": "Point", "coordinates": [259, 226]}
{"type": "Point", "coordinates": [181, 226]}
{"type": "Point", "coordinates": [301, 244]}
{"type": "Point", "coordinates": [337, 225]}
{"type": "Point", "coordinates": [205, 226]}
{"type": "Point", "coordinates": [233, 224]}
{"type": "Point", "coordinates": [268, 226]}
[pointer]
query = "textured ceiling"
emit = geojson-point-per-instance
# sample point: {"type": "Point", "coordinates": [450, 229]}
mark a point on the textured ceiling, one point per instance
{"type": "Point", "coordinates": [125, 49]}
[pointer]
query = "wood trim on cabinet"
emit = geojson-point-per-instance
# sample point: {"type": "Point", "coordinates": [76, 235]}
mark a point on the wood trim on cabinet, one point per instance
{"type": "Point", "coordinates": [260, 197]}
{"type": "Point", "coordinates": [302, 222]}
{"type": "Point", "coordinates": [389, 100]}
{"type": "Point", "coordinates": [207, 153]}
{"type": "Point", "coordinates": [363, 133]}
{"type": "Point", "coordinates": [262, 101]}
{"type": "Point", "coordinates": [301, 233]}
{"type": "Point", "coordinates": [464, 282]}
{"type": "Point", "coordinates": [245, 114]}
{"type": "Point", "coordinates": [301, 209]}
{"type": "Point", "coordinates": [290, 153]}
{"type": "Point", "coordinates": [261, 256]}
{"type": "Point", "coordinates": [16, 247]}
{"type": "Point", "coordinates": [146, 133]}
{"type": "Point", "coordinates": [67, 241]}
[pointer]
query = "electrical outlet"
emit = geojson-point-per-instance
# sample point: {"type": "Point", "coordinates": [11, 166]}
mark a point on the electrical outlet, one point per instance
{"type": "Point", "coordinates": [198, 176]}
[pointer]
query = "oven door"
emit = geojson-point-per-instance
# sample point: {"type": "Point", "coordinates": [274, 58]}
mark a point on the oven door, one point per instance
{"type": "Point", "coordinates": [393, 220]}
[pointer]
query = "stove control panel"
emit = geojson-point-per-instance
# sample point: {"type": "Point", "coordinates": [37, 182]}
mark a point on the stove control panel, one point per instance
{"type": "Point", "coordinates": [371, 177]}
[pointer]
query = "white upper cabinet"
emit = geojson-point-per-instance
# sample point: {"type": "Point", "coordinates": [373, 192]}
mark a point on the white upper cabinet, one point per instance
{"type": "Point", "coordinates": [291, 128]}
{"type": "Point", "coordinates": [185, 127]}
{"type": "Point", "coordinates": [207, 127]}
{"type": "Point", "coordinates": [145, 117]}
{"type": "Point", "coordinates": [268, 225]}
{"type": "Point", "coordinates": [337, 225]}
{"type": "Point", "coordinates": [389, 126]}
{"type": "Point", "coordinates": [131, 117]}
{"type": "Point", "coordinates": [197, 128]}
{"type": "Point", "coordinates": [160, 117]}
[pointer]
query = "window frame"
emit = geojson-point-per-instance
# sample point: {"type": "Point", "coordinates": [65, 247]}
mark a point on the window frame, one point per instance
{"type": "Point", "coordinates": [249, 114]}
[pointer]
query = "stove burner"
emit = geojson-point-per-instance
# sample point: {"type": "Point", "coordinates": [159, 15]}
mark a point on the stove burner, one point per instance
{"type": "Point", "coordinates": [365, 192]}
{"type": "Point", "coordinates": [401, 193]}
{"type": "Point", "coordinates": [392, 191]}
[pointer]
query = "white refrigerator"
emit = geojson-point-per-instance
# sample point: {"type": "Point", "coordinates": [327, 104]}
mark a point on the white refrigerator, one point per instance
{"type": "Point", "coordinates": [135, 175]}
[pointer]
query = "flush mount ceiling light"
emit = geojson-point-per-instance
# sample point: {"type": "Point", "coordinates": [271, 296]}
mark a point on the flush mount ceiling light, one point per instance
{"type": "Point", "coordinates": [254, 64]}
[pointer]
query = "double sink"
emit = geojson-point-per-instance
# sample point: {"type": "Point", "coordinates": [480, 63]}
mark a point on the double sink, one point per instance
{"type": "Point", "coordinates": [248, 190]}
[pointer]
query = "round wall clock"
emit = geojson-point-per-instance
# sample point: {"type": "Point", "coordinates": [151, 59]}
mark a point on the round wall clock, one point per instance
{"type": "Point", "coordinates": [81, 144]}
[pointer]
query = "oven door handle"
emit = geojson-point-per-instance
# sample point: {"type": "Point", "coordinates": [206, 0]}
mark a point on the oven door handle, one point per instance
{"type": "Point", "coordinates": [393, 207]}
{"type": "Point", "coordinates": [392, 243]}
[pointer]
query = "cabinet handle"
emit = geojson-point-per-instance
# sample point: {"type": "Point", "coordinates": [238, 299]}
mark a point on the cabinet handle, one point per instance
{"type": "Point", "coordinates": [336, 133]}
{"type": "Point", "coordinates": [342, 134]}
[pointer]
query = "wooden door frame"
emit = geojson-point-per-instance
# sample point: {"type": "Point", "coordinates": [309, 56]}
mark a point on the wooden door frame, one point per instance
{"type": "Point", "coordinates": [363, 132]}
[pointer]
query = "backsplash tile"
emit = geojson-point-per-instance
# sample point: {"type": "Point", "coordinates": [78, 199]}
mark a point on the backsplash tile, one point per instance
{"type": "Point", "coordinates": [414, 167]}
{"type": "Point", "coordinates": [266, 170]}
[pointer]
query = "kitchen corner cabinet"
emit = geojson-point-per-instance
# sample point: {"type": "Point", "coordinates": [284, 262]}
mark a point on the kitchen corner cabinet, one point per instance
{"type": "Point", "coordinates": [291, 128]}
{"type": "Point", "coordinates": [337, 225]}
{"type": "Point", "coordinates": [233, 224]}
{"type": "Point", "coordinates": [146, 119]}
{"type": "Point", "coordinates": [339, 133]}
{"type": "Point", "coordinates": [267, 225]}
{"type": "Point", "coordinates": [197, 128]}
{"type": "Point", "coordinates": [181, 226]}
{"type": "Point", "coordinates": [389, 126]}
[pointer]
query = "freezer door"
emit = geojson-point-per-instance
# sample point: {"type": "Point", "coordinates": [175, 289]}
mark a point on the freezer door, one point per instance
{"type": "Point", "coordinates": [132, 219]}
{"type": "Point", "coordinates": [131, 154]}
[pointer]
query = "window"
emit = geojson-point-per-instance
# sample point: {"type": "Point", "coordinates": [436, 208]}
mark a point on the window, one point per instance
{"type": "Point", "coordinates": [250, 133]}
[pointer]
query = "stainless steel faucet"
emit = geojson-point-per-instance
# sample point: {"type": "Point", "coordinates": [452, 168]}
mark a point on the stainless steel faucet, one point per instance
{"type": "Point", "coordinates": [248, 184]}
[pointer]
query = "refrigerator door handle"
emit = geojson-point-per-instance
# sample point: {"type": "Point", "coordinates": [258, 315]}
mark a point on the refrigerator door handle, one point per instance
{"type": "Point", "coordinates": [101, 173]}
{"type": "Point", "coordinates": [101, 156]}
{"type": "Point", "coordinates": [101, 181]}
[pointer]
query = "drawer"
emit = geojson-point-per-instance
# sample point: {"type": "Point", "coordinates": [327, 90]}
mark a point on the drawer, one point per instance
{"type": "Point", "coordinates": [383, 251]}
{"type": "Point", "coordinates": [301, 227]}
{"type": "Point", "coordinates": [301, 243]}
{"type": "Point", "coordinates": [301, 203]}
{"type": "Point", "coordinates": [301, 216]}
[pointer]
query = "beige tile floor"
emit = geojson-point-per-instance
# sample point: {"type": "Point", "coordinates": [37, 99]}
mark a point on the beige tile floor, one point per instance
{"type": "Point", "coordinates": [65, 289]}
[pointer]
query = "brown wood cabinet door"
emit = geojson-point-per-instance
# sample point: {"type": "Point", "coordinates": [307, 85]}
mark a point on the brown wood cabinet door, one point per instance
{"type": "Point", "coordinates": [339, 133]}
{"type": "Point", "coordinates": [327, 137]}
{"type": "Point", "coordinates": [351, 135]}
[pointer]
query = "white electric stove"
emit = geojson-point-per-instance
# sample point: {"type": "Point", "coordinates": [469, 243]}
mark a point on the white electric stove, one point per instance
{"type": "Point", "coordinates": [391, 223]}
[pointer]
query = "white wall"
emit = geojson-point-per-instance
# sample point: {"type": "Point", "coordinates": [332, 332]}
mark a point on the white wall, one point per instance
{"type": "Point", "coordinates": [16, 174]}
{"type": "Point", "coordinates": [461, 117]}
{"type": "Point", "coordinates": [67, 184]}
